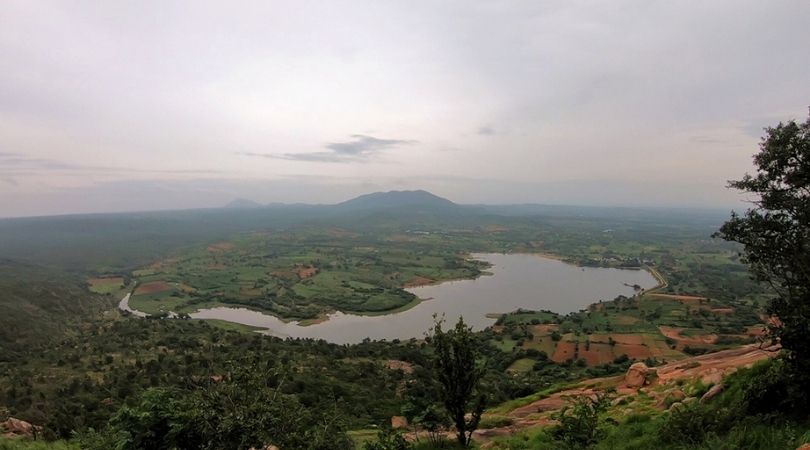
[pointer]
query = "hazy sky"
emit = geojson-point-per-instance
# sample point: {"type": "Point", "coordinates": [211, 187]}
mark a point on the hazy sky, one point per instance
{"type": "Point", "coordinates": [110, 106]}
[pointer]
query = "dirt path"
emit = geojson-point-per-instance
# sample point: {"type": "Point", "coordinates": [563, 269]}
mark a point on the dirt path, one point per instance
{"type": "Point", "coordinates": [123, 305]}
{"type": "Point", "coordinates": [674, 333]}
{"type": "Point", "coordinates": [662, 282]}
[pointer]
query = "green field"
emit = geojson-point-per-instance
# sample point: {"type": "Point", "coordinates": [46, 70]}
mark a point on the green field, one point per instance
{"type": "Point", "coordinates": [301, 275]}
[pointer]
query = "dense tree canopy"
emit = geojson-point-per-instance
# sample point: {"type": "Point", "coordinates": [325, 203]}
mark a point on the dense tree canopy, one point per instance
{"type": "Point", "coordinates": [776, 231]}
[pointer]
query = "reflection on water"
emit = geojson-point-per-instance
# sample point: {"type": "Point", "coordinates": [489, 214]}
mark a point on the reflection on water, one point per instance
{"type": "Point", "coordinates": [518, 281]}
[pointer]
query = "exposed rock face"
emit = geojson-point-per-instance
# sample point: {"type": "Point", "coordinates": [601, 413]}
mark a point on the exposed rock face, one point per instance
{"type": "Point", "coordinates": [713, 376]}
{"type": "Point", "coordinates": [712, 393]}
{"type": "Point", "coordinates": [676, 396]}
{"type": "Point", "coordinates": [394, 364]}
{"type": "Point", "coordinates": [17, 427]}
{"type": "Point", "coordinates": [399, 422]}
{"type": "Point", "coordinates": [636, 376]}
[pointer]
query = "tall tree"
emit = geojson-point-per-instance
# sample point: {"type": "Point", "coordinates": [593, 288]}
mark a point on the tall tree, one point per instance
{"type": "Point", "coordinates": [459, 375]}
{"type": "Point", "coordinates": [775, 234]}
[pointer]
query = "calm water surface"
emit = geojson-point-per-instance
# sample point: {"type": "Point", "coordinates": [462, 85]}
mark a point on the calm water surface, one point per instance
{"type": "Point", "coordinates": [517, 281]}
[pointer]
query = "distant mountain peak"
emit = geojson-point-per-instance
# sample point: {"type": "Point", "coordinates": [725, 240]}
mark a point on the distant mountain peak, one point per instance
{"type": "Point", "coordinates": [394, 199]}
{"type": "Point", "coordinates": [243, 203]}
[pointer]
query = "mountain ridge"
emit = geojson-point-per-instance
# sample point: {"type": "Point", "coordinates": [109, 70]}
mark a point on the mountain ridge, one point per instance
{"type": "Point", "coordinates": [397, 199]}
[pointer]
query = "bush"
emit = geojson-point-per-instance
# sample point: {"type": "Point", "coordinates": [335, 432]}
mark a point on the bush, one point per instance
{"type": "Point", "coordinates": [579, 425]}
{"type": "Point", "coordinates": [691, 423]}
{"type": "Point", "coordinates": [773, 388]}
{"type": "Point", "coordinates": [388, 439]}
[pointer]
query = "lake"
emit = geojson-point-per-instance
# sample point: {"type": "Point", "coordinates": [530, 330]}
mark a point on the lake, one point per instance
{"type": "Point", "coordinates": [517, 281]}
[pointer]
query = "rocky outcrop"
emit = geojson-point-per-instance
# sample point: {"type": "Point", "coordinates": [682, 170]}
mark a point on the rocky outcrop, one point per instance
{"type": "Point", "coordinates": [714, 375]}
{"type": "Point", "coordinates": [637, 375]}
{"type": "Point", "coordinates": [712, 393]}
{"type": "Point", "coordinates": [18, 428]}
{"type": "Point", "coordinates": [399, 422]}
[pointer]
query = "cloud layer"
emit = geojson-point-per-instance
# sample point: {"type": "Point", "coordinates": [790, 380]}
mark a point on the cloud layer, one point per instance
{"type": "Point", "coordinates": [604, 100]}
{"type": "Point", "coordinates": [360, 149]}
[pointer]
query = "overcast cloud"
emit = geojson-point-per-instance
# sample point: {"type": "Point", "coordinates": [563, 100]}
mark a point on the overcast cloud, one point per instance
{"type": "Point", "coordinates": [140, 105]}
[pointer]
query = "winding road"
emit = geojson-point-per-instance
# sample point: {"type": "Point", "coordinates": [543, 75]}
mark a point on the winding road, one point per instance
{"type": "Point", "coordinates": [123, 305]}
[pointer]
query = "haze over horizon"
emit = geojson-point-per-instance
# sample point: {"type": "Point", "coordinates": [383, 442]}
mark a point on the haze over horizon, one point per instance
{"type": "Point", "coordinates": [148, 106]}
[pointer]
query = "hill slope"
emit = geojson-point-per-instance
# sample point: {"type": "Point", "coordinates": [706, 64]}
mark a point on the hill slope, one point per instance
{"type": "Point", "coordinates": [398, 199]}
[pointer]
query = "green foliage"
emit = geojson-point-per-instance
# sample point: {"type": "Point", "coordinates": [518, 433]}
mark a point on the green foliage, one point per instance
{"type": "Point", "coordinates": [40, 305]}
{"type": "Point", "coordinates": [747, 434]}
{"type": "Point", "coordinates": [455, 363]}
{"type": "Point", "coordinates": [691, 423]}
{"type": "Point", "coordinates": [580, 425]}
{"type": "Point", "coordinates": [388, 439]}
{"type": "Point", "coordinates": [246, 410]}
{"type": "Point", "coordinates": [423, 407]}
{"type": "Point", "coordinates": [776, 236]}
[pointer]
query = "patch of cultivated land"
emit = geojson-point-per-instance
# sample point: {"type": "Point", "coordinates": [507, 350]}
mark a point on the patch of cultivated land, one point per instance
{"type": "Point", "coordinates": [301, 275]}
{"type": "Point", "coordinates": [661, 327]}
{"type": "Point", "coordinates": [152, 287]}
{"type": "Point", "coordinates": [106, 285]}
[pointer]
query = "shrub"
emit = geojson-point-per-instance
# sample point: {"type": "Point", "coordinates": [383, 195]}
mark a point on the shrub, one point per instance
{"type": "Point", "coordinates": [388, 439]}
{"type": "Point", "coordinates": [579, 425]}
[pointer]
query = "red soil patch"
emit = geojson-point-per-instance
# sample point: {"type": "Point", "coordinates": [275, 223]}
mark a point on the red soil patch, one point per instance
{"type": "Point", "coordinates": [596, 354]}
{"type": "Point", "coordinates": [418, 281]}
{"type": "Point", "coordinates": [564, 351]}
{"type": "Point", "coordinates": [306, 272]}
{"type": "Point", "coordinates": [153, 287]}
{"type": "Point", "coordinates": [633, 351]}
{"type": "Point", "coordinates": [674, 333]}
{"type": "Point", "coordinates": [220, 247]}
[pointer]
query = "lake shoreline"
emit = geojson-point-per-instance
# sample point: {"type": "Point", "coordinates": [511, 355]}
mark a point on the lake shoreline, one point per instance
{"type": "Point", "coordinates": [516, 281]}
